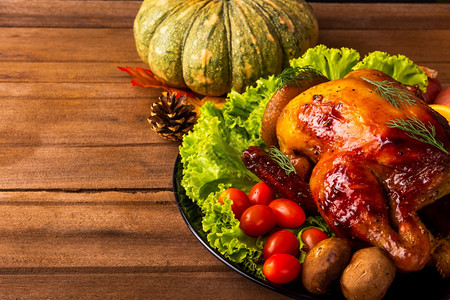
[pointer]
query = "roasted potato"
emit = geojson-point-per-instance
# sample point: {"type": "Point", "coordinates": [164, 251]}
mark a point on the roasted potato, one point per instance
{"type": "Point", "coordinates": [324, 264]}
{"type": "Point", "coordinates": [368, 275]}
{"type": "Point", "coordinates": [440, 256]}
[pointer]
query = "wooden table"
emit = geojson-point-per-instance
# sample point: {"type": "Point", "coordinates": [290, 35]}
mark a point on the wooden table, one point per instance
{"type": "Point", "coordinates": [87, 208]}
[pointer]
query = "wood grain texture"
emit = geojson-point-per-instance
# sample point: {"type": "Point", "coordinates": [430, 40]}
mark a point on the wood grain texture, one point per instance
{"type": "Point", "coordinates": [32, 44]}
{"type": "Point", "coordinates": [108, 229]}
{"type": "Point", "coordinates": [120, 14]}
{"type": "Point", "coordinates": [432, 47]}
{"type": "Point", "coordinates": [135, 285]}
{"type": "Point", "coordinates": [67, 72]}
{"type": "Point", "coordinates": [87, 14]}
{"type": "Point", "coordinates": [76, 122]}
{"type": "Point", "coordinates": [87, 167]}
{"type": "Point", "coordinates": [382, 16]}
{"type": "Point", "coordinates": [68, 44]}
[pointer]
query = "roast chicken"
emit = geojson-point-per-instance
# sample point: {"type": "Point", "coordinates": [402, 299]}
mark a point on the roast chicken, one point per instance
{"type": "Point", "coordinates": [367, 177]}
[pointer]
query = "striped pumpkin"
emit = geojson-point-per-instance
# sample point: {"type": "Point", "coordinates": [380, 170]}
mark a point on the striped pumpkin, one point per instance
{"type": "Point", "coordinates": [213, 46]}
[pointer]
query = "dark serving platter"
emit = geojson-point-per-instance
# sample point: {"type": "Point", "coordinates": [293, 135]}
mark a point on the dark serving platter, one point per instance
{"type": "Point", "coordinates": [425, 284]}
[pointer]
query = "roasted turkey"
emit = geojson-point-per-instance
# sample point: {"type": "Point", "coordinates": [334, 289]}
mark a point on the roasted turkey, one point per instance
{"type": "Point", "coordinates": [367, 177]}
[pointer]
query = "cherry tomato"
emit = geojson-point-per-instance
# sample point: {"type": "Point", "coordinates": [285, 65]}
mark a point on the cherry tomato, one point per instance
{"type": "Point", "coordinates": [281, 268]}
{"type": "Point", "coordinates": [312, 237]}
{"type": "Point", "coordinates": [261, 194]}
{"type": "Point", "coordinates": [257, 220]}
{"type": "Point", "coordinates": [288, 214]}
{"type": "Point", "coordinates": [282, 241]}
{"type": "Point", "coordinates": [239, 198]}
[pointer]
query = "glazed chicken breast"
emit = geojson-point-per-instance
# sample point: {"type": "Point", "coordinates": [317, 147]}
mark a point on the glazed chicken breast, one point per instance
{"type": "Point", "coordinates": [368, 177]}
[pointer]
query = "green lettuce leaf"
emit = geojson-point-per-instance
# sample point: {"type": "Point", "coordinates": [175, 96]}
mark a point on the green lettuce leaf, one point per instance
{"type": "Point", "coordinates": [331, 62]}
{"type": "Point", "coordinates": [399, 67]}
{"type": "Point", "coordinates": [335, 63]}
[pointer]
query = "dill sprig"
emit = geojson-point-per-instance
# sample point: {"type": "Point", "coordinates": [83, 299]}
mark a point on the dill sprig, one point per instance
{"type": "Point", "coordinates": [282, 160]}
{"type": "Point", "coordinates": [416, 129]}
{"type": "Point", "coordinates": [394, 95]}
{"type": "Point", "coordinates": [292, 76]}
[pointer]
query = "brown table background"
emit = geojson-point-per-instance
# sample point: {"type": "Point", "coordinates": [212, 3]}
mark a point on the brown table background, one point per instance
{"type": "Point", "coordinates": [86, 202]}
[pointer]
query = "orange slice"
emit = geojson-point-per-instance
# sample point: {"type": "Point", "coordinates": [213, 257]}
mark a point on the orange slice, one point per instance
{"type": "Point", "coordinates": [444, 110]}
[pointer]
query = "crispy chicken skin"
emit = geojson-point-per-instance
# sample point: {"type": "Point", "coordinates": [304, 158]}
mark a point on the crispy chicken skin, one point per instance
{"type": "Point", "coordinates": [368, 180]}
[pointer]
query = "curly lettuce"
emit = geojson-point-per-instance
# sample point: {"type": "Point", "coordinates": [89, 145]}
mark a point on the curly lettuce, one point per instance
{"type": "Point", "coordinates": [336, 63]}
{"type": "Point", "coordinates": [332, 63]}
{"type": "Point", "coordinates": [399, 67]}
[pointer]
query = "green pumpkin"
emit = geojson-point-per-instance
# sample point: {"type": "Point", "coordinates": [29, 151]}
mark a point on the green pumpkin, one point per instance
{"type": "Point", "coordinates": [213, 46]}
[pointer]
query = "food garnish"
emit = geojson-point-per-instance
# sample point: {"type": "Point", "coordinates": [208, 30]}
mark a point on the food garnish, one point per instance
{"type": "Point", "coordinates": [293, 76]}
{"type": "Point", "coordinates": [282, 160]}
{"type": "Point", "coordinates": [413, 127]}
{"type": "Point", "coordinates": [418, 130]}
{"type": "Point", "coordinates": [392, 93]}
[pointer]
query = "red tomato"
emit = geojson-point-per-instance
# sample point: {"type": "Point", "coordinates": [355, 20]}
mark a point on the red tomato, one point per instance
{"type": "Point", "coordinates": [239, 198]}
{"type": "Point", "coordinates": [257, 220]}
{"type": "Point", "coordinates": [281, 268]}
{"type": "Point", "coordinates": [312, 237]}
{"type": "Point", "coordinates": [261, 194]}
{"type": "Point", "coordinates": [282, 241]}
{"type": "Point", "coordinates": [288, 214]}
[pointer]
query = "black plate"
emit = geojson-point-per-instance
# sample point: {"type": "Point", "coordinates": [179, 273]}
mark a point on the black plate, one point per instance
{"type": "Point", "coordinates": [425, 284]}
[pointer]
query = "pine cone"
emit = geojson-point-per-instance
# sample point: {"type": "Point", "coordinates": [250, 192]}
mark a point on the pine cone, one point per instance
{"type": "Point", "coordinates": [172, 117]}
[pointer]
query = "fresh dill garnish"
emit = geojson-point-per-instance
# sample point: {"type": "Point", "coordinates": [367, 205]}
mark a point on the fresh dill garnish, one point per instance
{"type": "Point", "coordinates": [293, 75]}
{"type": "Point", "coordinates": [394, 95]}
{"type": "Point", "coordinates": [416, 129]}
{"type": "Point", "coordinates": [282, 160]}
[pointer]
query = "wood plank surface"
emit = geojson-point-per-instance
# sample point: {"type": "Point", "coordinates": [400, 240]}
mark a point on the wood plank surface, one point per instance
{"type": "Point", "coordinates": [32, 44]}
{"type": "Point", "coordinates": [192, 284]}
{"type": "Point", "coordinates": [67, 44]}
{"type": "Point", "coordinates": [64, 72]}
{"type": "Point", "coordinates": [78, 122]}
{"type": "Point", "coordinates": [120, 14]}
{"type": "Point", "coordinates": [88, 14]}
{"type": "Point", "coordinates": [104, 167]}
{"type": "Point", "coordinates": [96, 229]}
{"type": "Point", "coordinates": [87, 209]}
